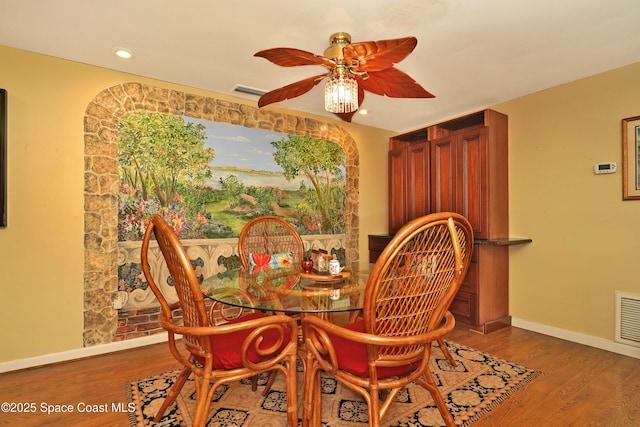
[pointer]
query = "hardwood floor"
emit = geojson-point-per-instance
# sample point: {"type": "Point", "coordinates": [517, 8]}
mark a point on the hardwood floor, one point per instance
{"type": "Point", "coordinates": [93, 381]}
{"type": "Point", "coordinates": [579, 385]}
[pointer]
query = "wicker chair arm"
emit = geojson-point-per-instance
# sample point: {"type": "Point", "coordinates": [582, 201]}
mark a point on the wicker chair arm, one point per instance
{"type": "Point", "coordinates": [227, 328]}
{"type": "Point", "coordinates": [318, 324]}
{"type": "Point", "coordinates": [277, 352]}
{"type": "Point", "coordinates": [283, 344]}
{"type": "Point", "coordinates": [316, 332]}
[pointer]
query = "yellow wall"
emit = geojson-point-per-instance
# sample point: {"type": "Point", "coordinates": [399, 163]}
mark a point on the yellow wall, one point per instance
{"type": "Point", "coordinates": [585, 238]}
{"type": "Point", "coordinates": [41, 251]}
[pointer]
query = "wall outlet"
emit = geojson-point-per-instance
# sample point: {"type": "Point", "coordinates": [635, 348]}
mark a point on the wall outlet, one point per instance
{"type": "Point", "coordinates": [117, 303]}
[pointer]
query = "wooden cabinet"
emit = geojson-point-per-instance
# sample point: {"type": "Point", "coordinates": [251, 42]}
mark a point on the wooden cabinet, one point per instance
{"type": "Point", "coordinates": [483, 299]}
{"type": "Point", "coordinates": [377, 243]}
{"type": "Point", "coordinates": [459, 166]}
{"type": "Point", "coordinates": [469, 172]}
{"type": "Point", "coordinates": [397, 188]}
{"type": "Point", "coordinates": [462, 166]}
{"type": "Point", "coordinates": [409, 195]}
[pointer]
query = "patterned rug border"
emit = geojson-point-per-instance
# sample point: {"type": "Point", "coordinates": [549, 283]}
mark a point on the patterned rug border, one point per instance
{"type": "Point", "coordinates": [500, 399]}
{"type": "Point", "coordinates": [137, 418]}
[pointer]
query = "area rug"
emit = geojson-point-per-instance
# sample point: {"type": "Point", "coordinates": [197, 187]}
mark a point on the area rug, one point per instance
{"type": "Point", "coordinates": [471, 389]}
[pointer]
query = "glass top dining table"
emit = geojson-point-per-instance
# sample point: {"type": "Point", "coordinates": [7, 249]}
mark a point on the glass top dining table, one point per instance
{"type": "Point", "coordinates": [289, 289]}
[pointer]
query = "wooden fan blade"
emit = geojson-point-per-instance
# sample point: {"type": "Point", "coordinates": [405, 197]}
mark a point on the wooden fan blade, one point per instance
{"type": "Point", "coordinates": [393, 83]}
{"type": "Point", "coordinates": [289, 57]}
{"type": "Point", "coordinates": [290, 91]}
{"type": "Point", "coordinates": [348, 116]}
{"type": "Point", "coordinates": [379, 55]}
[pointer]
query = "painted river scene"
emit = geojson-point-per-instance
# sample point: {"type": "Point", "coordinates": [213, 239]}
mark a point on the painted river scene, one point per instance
{"type": "Point", "coordinates": [209, 178]}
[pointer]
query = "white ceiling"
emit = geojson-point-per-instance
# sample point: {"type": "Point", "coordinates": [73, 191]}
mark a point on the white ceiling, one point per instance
{"type": "Point", "coordinates": [470, 54]}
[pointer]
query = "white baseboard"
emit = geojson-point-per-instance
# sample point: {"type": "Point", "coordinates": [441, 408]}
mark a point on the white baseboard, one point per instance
{"type": "Point", "coordinates": [576, 337]}
{"type": "Point", "coordinates": [79, 353]}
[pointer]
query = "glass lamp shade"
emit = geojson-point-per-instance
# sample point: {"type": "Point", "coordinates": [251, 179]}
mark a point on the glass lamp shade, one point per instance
{"type": "Point", "coordinates": [341, 94]}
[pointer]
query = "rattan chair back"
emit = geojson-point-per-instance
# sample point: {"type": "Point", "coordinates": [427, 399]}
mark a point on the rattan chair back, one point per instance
{"type": "Point", "coordinates": [415, 279]}
{"type": "Point", "coordinates": [269, 235]}
{"type": "Point", "coordinates": [185, 283]}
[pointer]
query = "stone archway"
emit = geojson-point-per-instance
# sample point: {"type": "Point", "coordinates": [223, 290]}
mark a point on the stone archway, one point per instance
{"type": "Point", "coordinates": [101, 179]}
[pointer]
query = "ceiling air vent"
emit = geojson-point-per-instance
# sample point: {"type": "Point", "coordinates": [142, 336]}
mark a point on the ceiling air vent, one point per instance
{"type": "Point", "coordinates": [249, 90]}
{"type": "Point", "coordinates": [627, 319]}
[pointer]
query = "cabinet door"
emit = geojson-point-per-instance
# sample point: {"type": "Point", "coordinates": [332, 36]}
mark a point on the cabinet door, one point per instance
{"type": "Point", "coordinates": [471, 179]}
{"type": "Point", "coordinates": [397, 189]}
{"type": "Point", "coordinates": [418, 202]}
{"type": "Point", "coordinates": [443, 174]}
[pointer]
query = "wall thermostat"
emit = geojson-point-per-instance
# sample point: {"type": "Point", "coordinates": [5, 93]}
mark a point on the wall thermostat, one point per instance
{"type": "Point", "coordinates": [607, 167]}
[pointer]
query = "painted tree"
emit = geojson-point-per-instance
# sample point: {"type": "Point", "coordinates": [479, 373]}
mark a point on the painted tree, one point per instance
{"type": "Point", "coordinates": [161, 153]}
{"type": "Point", "coordinates": [317, 159]}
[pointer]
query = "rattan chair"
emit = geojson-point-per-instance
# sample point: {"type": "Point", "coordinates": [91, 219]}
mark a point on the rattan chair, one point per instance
{"type": "Point", "coordinates": [269, 235]}
{"type": "Point", "coordinates": [407, 296]}
{"type": "Point", "coordinates": [216, 354]}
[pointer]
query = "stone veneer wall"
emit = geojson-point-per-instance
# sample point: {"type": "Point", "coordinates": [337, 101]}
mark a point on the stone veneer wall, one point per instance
{"type": "Point", "coordinates": [101, 180]}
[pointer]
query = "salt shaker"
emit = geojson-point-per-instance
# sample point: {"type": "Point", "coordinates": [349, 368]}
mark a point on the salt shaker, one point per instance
{"type": "Point", "coordinates": [334, 266]}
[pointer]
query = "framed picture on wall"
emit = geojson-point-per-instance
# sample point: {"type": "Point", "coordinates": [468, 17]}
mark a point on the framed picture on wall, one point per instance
{"type": "Point", "coordinates": [3, 158]}
{"type": "Point", "coordinates": [631, 158]}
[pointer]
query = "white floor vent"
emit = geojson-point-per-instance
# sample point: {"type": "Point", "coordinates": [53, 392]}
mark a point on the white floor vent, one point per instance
{"type": "Point", "coordinates": [627, 319]}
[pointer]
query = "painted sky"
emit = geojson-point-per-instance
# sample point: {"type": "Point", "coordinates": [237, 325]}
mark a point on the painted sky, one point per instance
{"type": "Point", "coordinates": [240, 146]}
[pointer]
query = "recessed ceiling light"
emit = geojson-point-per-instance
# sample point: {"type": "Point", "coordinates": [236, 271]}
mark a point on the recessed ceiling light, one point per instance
{"type": "Point", "coordinates": [363, 111]}
{"type": "Point", "coordinates": [123, 53]}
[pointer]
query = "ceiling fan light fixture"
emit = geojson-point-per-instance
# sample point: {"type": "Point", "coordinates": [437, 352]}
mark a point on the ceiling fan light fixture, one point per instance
{"type": "Point", "coordinates": [341, 92]}
{"type": "Point", "coordinates": [354, 69]}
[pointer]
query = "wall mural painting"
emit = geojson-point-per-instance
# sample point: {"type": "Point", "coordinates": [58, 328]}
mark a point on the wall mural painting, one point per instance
{"type": "Point", "coordinates": [209, 178]}
{"type": "Point", "coordinates": [150, 149]}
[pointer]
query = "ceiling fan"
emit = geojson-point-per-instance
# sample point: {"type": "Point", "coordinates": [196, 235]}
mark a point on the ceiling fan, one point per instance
{"type": "Point", "coordinates": [353, 69]}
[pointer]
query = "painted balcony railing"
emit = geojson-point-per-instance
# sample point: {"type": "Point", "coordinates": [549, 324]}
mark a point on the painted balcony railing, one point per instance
{"type": "Point", "coordinates": [209, 257]}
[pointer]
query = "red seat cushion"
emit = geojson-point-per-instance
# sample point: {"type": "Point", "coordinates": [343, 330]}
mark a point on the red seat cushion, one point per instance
{"type": "Point", "coordinates": [226, 348]}
{"type": "Point", "coordinates": [352, 356]}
